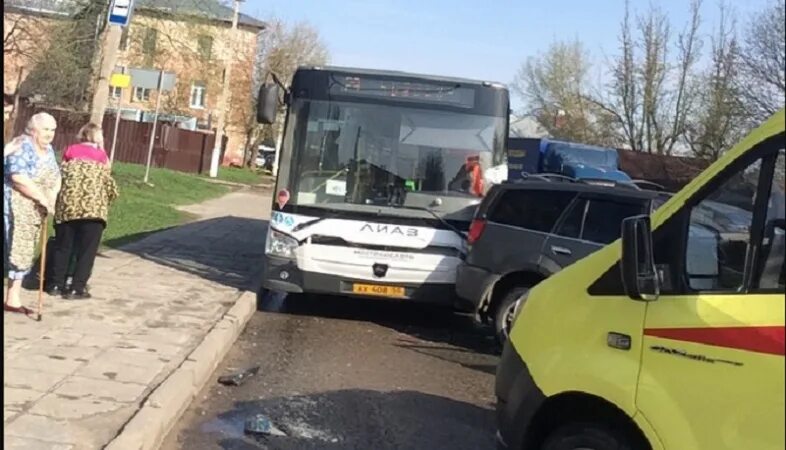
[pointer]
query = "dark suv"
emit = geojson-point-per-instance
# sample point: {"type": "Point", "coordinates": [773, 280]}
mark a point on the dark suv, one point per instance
{"type": "Point", "coordinates": [524, 232]}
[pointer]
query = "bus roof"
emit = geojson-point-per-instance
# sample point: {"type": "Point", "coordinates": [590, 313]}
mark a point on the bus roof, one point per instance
{"type": "Point", "coordinates": [398, 73]}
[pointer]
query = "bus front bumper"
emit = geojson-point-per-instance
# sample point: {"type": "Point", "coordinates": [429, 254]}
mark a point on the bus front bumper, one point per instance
{"type": "Point", "coordinates": [283, 275]}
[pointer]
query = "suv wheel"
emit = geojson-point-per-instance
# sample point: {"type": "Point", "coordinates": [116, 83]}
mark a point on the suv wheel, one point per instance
{"type": "Point", "coordinates": [503, 315]}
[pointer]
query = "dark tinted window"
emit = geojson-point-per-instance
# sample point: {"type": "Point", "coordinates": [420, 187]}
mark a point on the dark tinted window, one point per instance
{"type": "Point", "coordinates": [574, 220]}
{"type": "Point", "coordinates": [534, 210]}
{"type": "Point", "coordinates": [604, 219]}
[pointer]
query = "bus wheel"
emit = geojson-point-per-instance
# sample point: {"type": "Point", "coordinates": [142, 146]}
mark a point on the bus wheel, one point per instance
{"type": "Point", "coordinates": [505, 311]}
{"type": "Point", "coordinates": [588, 436]}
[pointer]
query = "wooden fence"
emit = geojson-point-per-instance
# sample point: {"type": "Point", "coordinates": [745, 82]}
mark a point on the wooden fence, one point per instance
{"type": "Point", "coordinates": [173, 148]}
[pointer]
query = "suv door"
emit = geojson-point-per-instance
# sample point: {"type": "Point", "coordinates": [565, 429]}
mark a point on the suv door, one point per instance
{"type": "Point", "coordinates": [712, 374]}
{"type": "Point", "coordinates": [518, 224]}
{"type": "Point", "coordinates": [591, 223]}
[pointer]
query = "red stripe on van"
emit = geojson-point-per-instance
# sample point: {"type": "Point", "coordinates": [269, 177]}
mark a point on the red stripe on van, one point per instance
{"type": "Point", "coordinates": [760, 339]}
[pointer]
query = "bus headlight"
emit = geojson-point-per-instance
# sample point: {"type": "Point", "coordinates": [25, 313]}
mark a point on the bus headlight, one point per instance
{"type": "Point", "coordinates": [280, 244]}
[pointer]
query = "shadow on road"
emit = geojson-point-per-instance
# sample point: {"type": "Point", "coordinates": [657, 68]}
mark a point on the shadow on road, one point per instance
{"type": "Point", "coordinates": [430, 323]}
{"type": "Point", "coordinates": [356, 419]}
{"type": "Point", "coordinates": [226, 250]}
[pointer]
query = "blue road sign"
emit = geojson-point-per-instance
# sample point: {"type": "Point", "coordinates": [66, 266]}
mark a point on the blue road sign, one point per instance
{"type": "Point", "coordinates": [120, 12]}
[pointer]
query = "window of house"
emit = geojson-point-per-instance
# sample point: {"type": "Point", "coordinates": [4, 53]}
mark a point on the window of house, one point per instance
{"type": "Point", "coordinates": [205, 46]}
{"type": "Point", "coordinates": [115, 92]}
{"type": "Point", "coordinates": [198, 94]}
{"type": "Point", "coordinates": [141, 94]}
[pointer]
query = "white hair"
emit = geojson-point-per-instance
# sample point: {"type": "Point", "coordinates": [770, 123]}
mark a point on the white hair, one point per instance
{"type": "Point", "coordinates": [38, 120]}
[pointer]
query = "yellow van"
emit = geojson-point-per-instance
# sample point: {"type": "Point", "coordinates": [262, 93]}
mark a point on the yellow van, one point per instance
{"type": "Point", "coordinates": [672, 337]}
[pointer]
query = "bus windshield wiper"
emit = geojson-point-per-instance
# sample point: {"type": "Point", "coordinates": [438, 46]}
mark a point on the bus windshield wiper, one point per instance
{"type": "Point", "coordinates": [300, 226]}
{"type": "Point", "coordinates": [436, 216]}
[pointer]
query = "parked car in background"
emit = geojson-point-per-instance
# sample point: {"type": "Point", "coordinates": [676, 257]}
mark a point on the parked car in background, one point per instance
{"type": "Point", "coordinates": [266, 157]}
{"type": "Point", "coordinates": [524, 232]}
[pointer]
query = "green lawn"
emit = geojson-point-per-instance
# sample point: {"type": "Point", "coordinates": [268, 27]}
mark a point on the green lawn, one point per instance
{"type": "Point", "coordinates": [241, 175]}
{"type": "Point", "coordinates": [141, 208]}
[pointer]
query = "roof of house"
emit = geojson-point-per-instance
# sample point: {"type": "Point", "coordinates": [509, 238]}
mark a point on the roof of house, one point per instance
{"type": "Point", "coordinates": [208, 9]}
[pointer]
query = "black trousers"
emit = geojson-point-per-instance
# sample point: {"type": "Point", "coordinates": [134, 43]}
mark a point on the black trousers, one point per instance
{"type": "Point", "coordinates": [80, 238]}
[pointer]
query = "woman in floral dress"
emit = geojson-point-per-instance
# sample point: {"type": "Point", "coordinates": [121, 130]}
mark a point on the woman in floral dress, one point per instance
{"type": "Point", "coordinates": [31, 182]}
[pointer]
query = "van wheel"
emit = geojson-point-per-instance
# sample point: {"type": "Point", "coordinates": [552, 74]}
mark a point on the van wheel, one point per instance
{"type": "Point", "coordinates": [503, 315]}
{"type": "Point", "coordinates": [588, 436]}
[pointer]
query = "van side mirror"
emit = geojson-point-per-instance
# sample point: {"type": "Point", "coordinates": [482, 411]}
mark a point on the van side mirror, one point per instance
{"type": "Point", "coordinates": [267, 103]}
{"type": "Point", "coordinates": [639, 275]}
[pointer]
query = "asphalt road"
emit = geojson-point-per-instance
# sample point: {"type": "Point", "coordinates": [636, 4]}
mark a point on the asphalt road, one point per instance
{"type": "Point", "coordinates": [336, 373]}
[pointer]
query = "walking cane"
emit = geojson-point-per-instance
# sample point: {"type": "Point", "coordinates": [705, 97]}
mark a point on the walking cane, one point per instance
{"type": "Point", "coordinates": [42, 271]}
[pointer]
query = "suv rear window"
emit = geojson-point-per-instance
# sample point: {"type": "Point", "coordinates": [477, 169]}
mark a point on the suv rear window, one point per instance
{"type": "Point", "coordinates": [598, 221]}
{"type": "Point", "coordinates": [603, 222]}
{"type": "Point", "coordinates": [531, 209]}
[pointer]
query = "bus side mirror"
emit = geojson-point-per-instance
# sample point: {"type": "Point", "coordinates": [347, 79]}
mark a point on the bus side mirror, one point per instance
{"type": "Point", "coordinates": [267, 103]}
{"type": "Point", "coordinates": [639, 275]}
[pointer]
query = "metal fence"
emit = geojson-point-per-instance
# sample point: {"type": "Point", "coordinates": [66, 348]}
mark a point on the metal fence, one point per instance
{"type": "Point", "coordinates": [173, 148]}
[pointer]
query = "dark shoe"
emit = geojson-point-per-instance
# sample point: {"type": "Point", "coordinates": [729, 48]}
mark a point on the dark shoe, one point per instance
{"type": "Point", "coordinates": [77, 294]}
{"type": "Point", "coordinates": [54, 290]}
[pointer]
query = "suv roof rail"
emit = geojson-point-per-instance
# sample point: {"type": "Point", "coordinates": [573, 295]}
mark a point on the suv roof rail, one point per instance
{"type": "Point", "coordinates": [649, 185]}
{"type": "Point", "coordinates": [610, 183]}
{"type": "Point", "coordinates": [526, 176]}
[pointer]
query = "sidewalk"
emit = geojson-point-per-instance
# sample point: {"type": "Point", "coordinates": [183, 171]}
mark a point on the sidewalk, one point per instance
{"type": "Point", "coordinates": [75, 379]}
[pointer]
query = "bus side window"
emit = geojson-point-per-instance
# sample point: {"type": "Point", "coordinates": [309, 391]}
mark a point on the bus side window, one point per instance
{"type": "Point", "coordinates": [773, 246]}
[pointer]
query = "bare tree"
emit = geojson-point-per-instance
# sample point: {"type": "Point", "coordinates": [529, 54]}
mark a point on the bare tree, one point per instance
{"type": "Point", "coordinates": [554, 86]}
{"type": "Point", "coordinates": [762, 81]}
{"type": "Point", "coordinates": [651, 96]}
{"type": "Point", "coordinates": [283, 48]}
{"type": "Point", "coordinates": [61, 63]}
{"type": "Point", "coordinates": [719, 118]}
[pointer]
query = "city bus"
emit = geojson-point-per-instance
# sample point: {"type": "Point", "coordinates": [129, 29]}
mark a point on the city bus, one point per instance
{"type": "Point", "coordinates": [379, 175]}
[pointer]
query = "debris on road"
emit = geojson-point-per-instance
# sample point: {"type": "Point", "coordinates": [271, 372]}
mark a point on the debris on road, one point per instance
{"type": "Point", "coordinates": [238, 378]}
{"type": "Point", "coordinates": [261, 424]}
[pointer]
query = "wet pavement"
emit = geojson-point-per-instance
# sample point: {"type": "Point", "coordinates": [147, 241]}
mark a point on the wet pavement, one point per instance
{"type": "Point", "coordinates": [336, 373]}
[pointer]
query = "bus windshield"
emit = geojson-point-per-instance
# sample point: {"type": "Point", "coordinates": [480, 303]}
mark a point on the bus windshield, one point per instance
{"type": "Point", "coordinates": [373, 154]}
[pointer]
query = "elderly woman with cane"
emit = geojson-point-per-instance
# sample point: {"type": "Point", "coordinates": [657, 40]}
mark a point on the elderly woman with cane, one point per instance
{"type": "Point", "coordinates": [31, 182]}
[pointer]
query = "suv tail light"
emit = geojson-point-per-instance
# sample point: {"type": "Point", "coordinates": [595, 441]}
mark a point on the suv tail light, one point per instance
{"type": "Point", "coordinates": [475, 230]}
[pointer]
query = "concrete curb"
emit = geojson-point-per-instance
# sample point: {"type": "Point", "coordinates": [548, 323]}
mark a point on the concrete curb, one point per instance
{"type": "Point", "coordinates": [163, 407]}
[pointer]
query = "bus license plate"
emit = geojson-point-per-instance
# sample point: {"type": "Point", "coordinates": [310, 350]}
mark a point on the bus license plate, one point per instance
{"type": "Point", "coordinates": [379, 290]}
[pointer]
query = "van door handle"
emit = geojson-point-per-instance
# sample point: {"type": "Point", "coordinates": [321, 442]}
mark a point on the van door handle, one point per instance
{"type": "Point", "coordinates": [560, 250]}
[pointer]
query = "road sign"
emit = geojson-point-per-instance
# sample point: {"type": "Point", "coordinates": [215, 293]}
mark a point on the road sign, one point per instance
{"type": "Point", "coordinates": [148, 79]}
{"type": "Point", "coordinates": [120, 12]}
{"type": "Point", "coordinates": [120, 80]}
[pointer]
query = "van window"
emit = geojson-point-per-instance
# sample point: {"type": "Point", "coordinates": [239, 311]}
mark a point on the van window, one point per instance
{"type": "Point", "coordinates": [534, 210]}
{"type": "Point", "coordinates": [773, 246]}
{"type": "Point", "coordinates": [719, 233]}
{"type": "Point", "coordinates": [603, 223]}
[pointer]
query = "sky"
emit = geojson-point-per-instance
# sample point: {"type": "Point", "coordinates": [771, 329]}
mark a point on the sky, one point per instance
{"type": "Point", "coordinates": [486, 40]}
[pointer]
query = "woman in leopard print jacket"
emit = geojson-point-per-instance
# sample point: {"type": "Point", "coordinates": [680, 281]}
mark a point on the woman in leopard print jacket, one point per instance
{"type": "Point", "coordinates": [81, 212]}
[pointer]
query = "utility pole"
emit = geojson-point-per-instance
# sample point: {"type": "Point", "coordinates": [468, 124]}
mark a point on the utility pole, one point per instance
{"type": "Point", "coordinates": [110, 45]}
{"type": "Point", "coordinates": [222, 101]}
